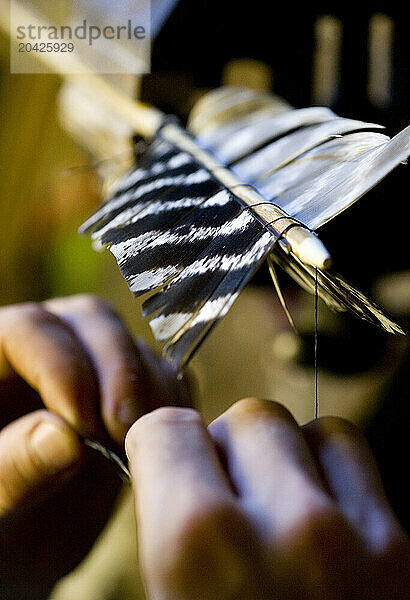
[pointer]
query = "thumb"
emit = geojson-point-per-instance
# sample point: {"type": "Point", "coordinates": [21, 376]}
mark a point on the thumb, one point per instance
{"type": "Point", "coordinates": [37, 451]}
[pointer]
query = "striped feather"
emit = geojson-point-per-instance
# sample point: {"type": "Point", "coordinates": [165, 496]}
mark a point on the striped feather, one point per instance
{"type": "Point", "coordinates": [175, 230]}
{"type": "Point", "coordinates": [234, 272]}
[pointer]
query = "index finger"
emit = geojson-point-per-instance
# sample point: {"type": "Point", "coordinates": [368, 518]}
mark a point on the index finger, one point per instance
{"type": "Point", "coordinates": [131, 379]}
{"type": "Point", "coordinates": [193, 536]}
{"type": "Point", "coordinates": [45, 352]}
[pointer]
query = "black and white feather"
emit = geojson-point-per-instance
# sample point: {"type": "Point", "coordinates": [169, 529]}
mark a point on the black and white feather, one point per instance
{"type": "Point", "coordinates": [176, 231]}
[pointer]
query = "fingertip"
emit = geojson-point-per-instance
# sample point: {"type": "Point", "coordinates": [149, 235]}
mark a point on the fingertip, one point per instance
{"type": "Point", "coordinates": [163, 417]}
{"type": "Point", "coordinates": [54, 446]}
{"type": "Point", "coordinates": [129, 442]}
{"type": "Point", "coordinates": [137, 381]}
{"type": "Point", "coordinates": [249, 410]}
{"type": "Point", "coordinates": [36, 451]}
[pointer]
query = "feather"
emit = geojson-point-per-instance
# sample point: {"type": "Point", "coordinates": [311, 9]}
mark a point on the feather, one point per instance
{"type": "Point", "coordinates": [184, 227]}
{"type": "Point", "coordinates": [336, 292]}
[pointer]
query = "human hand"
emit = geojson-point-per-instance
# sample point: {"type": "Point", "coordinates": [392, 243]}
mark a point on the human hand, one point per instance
{"type": "Point", "coordinates": [256, 507]}
{"type": "Point", "coordinates": [67, 367]}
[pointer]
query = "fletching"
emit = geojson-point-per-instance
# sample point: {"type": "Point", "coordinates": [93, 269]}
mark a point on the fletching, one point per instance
{"type": "Point", "coordinates": [178, 228]}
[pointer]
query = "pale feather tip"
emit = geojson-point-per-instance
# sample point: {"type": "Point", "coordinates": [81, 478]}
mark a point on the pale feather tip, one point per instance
{"type": "Point", "coordinates": [314, 253]}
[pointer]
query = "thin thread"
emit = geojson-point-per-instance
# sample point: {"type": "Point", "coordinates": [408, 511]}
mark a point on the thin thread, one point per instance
{"type": "Point", "coordinates": [114, 459]}
{"type": "Point", "coordinates": [296, 222]}
{"type": "Point", "coordinates": [260, 203]}
{"type": "Point", "coordinates": [284, 232]}
{"type": "Point", "coordinates": [316, 339]}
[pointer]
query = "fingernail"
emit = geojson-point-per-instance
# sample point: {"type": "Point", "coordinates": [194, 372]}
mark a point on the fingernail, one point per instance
{"type": "Point", "coordinates": [55, 447]}
{"type": "Point", "coordinates": [127, 411]}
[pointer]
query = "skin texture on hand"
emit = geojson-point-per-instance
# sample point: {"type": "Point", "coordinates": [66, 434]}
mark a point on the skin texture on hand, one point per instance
{"type": "Point", "coordinates": [68, 366]}
{"type": "Point", "coordinates": [255, 507]}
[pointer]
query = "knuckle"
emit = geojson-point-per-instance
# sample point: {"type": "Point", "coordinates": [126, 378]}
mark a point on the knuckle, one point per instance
{"type": "Point", "coordinates": [91, 305]}
{"type": "Point", "coordinates": [252, 406]}
{"type": "Point", "coordinates": [325, 428]}
{"type": "Point", "coordinates": [23, 313]}
{"type": "Point", "coordinates": [165, 415]}
{"type": "Point", "coordinates": [22, 320]}
{"type": "Point", "coordinates": [339, 425]}
{"type": "Point", "coordinates": [89, 302]}
{"type": "Point", "coordinates": [170, 415]}
{"type": "Point", "coordinates": [86, 303]}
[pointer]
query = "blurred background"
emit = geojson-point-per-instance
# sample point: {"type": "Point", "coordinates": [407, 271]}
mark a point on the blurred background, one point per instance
{"type": "Point", "coordinates": [60, 151]}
